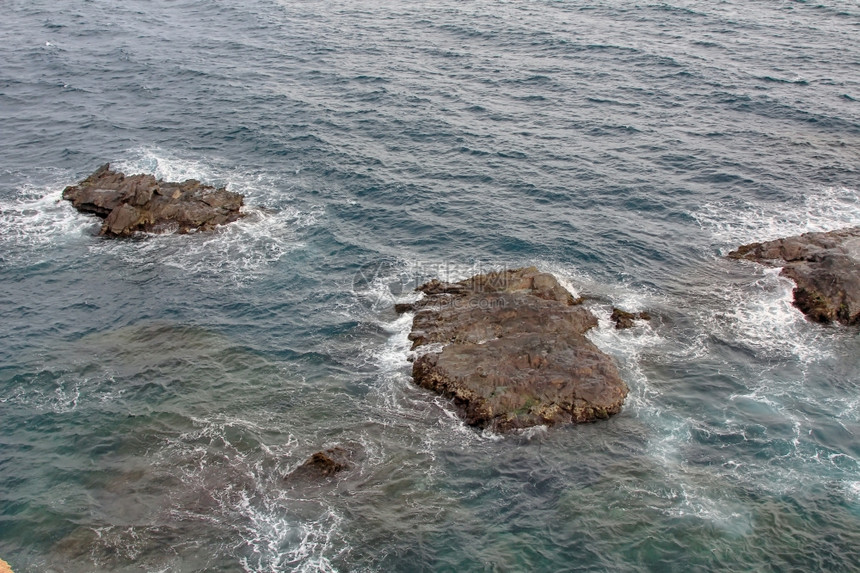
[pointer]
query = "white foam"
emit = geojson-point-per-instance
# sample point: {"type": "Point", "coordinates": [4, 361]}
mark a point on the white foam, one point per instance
{"type": "Point", "coordinates": [760, 395]}
{"type": "Point", "coordinates": [568, 286]}
{"type": "Point", "coordinates": [733, 223]}
{"type": "Point", "coordinates": [627, 347]}
{"type": "Point", "coordinates": [693, 494]}
{"type": "Point", "coordinates": [379, 286]}
{"type": "Point", "coordinates": [277, 543]}
{"type": "Point", "coordinates": [392, 356]}
{"type": "Point", "coordinates": [168, 166]}
{"type": "Point", "coordinates": [761, 317]}
{"type": "Point", "coordinates": [259, 187]}
{"type": "Point", "coordinates": [570, 277]}
{"type": "Point", "coordinates": [278, 531]}
{"type": "Point", "coordinates": [35, 220]}
{"type": "Point", "coordinates": [240, 251]}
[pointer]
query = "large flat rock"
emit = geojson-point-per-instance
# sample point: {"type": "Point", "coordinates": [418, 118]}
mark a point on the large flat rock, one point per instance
{"type": "Point", "coordinates": [824, 266]}
{"type": "Point", "coordinates": [141, 203]}
{"type": "Point", "coordinates": [509, 349]}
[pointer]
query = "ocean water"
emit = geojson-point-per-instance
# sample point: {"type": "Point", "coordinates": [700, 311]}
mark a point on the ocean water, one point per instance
{"type": "Point", "coordinates": [155, 392]}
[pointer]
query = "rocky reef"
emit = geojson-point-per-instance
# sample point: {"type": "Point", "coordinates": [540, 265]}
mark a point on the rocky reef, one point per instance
{"type": "Point", "coordinates": [824, 266]}
{"type": "Point", "coordinates": [142, 203]}
{"type": "Point", "coordinates": [509, 349]}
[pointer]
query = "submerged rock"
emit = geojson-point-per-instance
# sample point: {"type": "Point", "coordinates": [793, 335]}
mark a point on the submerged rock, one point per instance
{"type": "Point", "coordinates": [624, 319]}
{"type": "Point", "coordinates": [142, 203]}
{"type": "Point", "coordinates": [824, 266]}
{"type": "Point", "coordinates": [509, 349]}
{"type": "Point", "coordinates": [323, 464]}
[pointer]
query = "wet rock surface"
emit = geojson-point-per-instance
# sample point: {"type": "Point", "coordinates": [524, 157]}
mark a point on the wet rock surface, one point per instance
{"type": "Point", "coordinates": [624, 319]}
{"type": "Point", "coordinates": [824, 266]}
{"type": "Point", "coordinates": [323, 464]}
{"type": "Point", "coordinates": [141, 203]}
{"type": "Point", "coordinates": [509, 349]}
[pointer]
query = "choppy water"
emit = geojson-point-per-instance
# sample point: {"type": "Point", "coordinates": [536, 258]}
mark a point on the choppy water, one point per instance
{"type": "Point", "coordinates": [153, 393]}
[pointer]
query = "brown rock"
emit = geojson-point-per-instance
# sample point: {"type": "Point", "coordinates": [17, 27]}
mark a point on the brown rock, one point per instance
{"type": "Point", "coordinates": [624, 319]}
{"type": "Point", "coordinates": [402, 307]}
{"type": "Point", "coordinates": [824, 266]}
{"type": "Point", "coordinates": [323, 464]}
{"type": "Point", "coordinates": [121, 218]}
{"type": "Point", "coordinates": [5, 567]}
{"type": "Point", "coordinates": [141, 203]}
{"type": "Point", "coordinates": [514, 352]}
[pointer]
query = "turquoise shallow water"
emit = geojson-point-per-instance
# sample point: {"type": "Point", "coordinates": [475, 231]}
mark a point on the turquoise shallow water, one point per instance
{"type": "Point", "coordinates": [154, 392]}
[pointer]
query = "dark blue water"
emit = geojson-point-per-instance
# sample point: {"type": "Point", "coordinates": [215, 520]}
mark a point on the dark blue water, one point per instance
{"type": "Point", "coordinates": [154, 392]}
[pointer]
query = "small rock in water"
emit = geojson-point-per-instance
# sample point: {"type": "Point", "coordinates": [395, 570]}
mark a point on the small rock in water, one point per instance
{"type": "Point", "coordinates": [514, 352]}
{"type": "Point", "coordinates": [402, 307]}
{"type": "Point", "coordinates": [624, 319]}
{"type": "Point", "coordinates": [824, 266]}
{"type": "Point", "coordinates": [5, 567]}
{"type": "Point", "coordinates": [323, 464]}
{"type": "Point", "coordinates": [142, 203]}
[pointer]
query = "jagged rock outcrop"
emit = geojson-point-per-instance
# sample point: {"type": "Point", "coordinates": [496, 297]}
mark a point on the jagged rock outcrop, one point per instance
{"type": "Point", "coordinates": [142, 203]}
{"type": "Point", "coordinates": [509, 349]}
{"type": "Point", "coordinates": [824, 266]}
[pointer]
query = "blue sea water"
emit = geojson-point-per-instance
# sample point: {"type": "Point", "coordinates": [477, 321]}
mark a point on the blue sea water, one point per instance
{"type": "Point", "coordinates": [155, 392]}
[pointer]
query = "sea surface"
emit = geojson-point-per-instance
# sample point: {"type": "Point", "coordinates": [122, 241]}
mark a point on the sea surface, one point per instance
{"type": "Point", "coordinates": [154, 392]}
